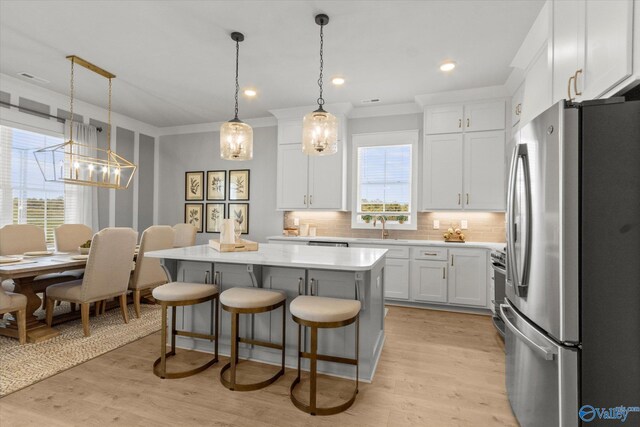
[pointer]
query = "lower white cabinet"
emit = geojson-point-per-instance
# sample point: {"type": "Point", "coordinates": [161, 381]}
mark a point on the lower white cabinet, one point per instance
{"type": "Point", "coordinates": [468, 277]}
{"type": "Point", "coordinates": [396, 279]}
{"type": "Point", "coordinates": [429, 280]}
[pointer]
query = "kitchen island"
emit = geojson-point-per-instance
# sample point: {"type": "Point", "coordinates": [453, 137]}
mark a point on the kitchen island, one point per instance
{"type": "Point", "coordinates": [350, 273]}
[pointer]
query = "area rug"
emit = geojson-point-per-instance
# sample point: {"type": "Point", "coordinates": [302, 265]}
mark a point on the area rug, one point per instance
{"type": "Point", "coordinates": [21, 366]}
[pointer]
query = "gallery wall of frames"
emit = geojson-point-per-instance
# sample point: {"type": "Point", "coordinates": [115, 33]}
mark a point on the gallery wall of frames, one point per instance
{"type": "Point", "coordinates": [222, 194]}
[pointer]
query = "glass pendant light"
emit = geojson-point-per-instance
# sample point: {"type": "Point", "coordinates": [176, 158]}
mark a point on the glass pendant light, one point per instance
{"type": "Point", "coordinates": [319, 127]}
{"type": "Point", "coordinates": [236, 137]}
{"type": "Point", "coordinates": [75, 163]}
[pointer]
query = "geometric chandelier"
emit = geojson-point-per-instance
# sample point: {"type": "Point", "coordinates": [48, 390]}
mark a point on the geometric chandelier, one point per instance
{"type": "Point", "coordinates": [80, 164]}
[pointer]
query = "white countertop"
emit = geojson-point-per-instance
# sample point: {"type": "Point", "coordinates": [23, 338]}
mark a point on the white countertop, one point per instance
{"type": "Point", "coordinates": [279, 255]}
{"type": "Point", "coordinates": [391, 242]}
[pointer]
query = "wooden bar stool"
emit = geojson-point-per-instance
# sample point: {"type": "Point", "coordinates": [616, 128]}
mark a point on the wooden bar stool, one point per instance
{"type": "Point", "coordinates": [239, 301]}
{"type": "Point", "coordinates": [177, 294]}
{"type": "Point", "coordinates": [320, 312]}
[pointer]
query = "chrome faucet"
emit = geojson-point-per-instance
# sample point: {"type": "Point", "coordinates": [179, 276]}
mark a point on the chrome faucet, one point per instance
{"type": "Point", "coordinates": [383, 221]}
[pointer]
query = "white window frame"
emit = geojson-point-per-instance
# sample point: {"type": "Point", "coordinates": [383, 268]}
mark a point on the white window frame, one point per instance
{"type": "Point", "coordinates": [405, 137]}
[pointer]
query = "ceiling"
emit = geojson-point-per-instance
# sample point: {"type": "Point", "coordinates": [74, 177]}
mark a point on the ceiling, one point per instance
{"type": "Point", "coordinates": [174, 60]}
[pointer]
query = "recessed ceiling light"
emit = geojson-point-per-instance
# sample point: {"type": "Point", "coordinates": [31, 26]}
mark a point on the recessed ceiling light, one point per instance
{"type": "Point", "coordinates": [448, 66]}
{"type": "Point", "coordinates": [250, 92]}
{"type": "Point", "coordinates": [337, 81]}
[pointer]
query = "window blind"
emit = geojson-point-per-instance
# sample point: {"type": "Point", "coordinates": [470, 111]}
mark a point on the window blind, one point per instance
{"type": "Point", "coordinates": [25, 197]}
{"type": "Point", "coordinates": [384, 179]}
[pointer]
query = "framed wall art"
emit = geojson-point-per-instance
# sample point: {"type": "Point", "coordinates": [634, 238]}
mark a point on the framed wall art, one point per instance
{"type": "Point", "coordinates": [194, 185]}
{"type": "Point", "coordinates": [215, 215]}
{"type": "Point", "coordinates": [216, 185]}
{"type": "Point", "coordinates": [193, 215]}
{"type": "Point", "coordinates": [240, 213]}
{"type": "Point", "coordinates": [239, 184]}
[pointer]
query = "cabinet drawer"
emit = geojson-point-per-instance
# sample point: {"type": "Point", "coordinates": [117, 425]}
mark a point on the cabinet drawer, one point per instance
{"type": "Point", "coordinates": [430, 253]}
{"type": "Point", "coordinates": [397, 252]}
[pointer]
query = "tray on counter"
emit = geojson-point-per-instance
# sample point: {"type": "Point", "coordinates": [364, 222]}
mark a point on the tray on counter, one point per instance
{"type": "Point", "coordinates": [239, 246]}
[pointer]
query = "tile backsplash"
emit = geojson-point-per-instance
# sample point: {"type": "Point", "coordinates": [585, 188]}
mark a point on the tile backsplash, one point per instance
{"type": "Point", "coordinates": [482, 226]}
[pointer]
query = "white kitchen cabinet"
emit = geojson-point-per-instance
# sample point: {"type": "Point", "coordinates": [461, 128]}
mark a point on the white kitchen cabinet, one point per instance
{"type": "Point", "coordinates": [457, 118]}
{"type": "Point", "coordinates": [608, 55]}
{"type": "Point", "coordinates": [481, 116]}
{"type": "Point", "coordinates": [467, 284]}
{"type": "Point", "coordinates": [464, 171]}
{"type": "Point", "coordinates": [309, 182]}
{"type": "Point", "coordinates": [396, 279]}
{"type": "Point", "coordinates": [592, 47]}
{"type": "Point", "coordinates": [484, 167]}
{"type": "Point", "coordinates": [442, 172]}
{"type": "Point", "coordinates": [293, 177]}
{"type": "Point", "coordinates": [429, 281]}
{"type": "Point", "coordinates": [444, 119]}
{"type": "Point", "coordinates": [537, 86]}
{"type": "Point", "coordinates": [516, 105]}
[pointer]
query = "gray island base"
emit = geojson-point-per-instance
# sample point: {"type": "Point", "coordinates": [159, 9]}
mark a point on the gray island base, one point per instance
{"type": "Point", "coordinates": [350, 273]}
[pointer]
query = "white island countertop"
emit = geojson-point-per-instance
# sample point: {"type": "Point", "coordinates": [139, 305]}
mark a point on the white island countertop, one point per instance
{"type": "Point", "coordinates": [280, 255]}
{"type": "Point", "coordinates": [388, 242]}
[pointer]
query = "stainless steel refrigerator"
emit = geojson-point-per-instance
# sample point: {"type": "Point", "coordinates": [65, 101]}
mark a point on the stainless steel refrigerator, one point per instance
{"type": "Point", "coordinates": [573, 265]}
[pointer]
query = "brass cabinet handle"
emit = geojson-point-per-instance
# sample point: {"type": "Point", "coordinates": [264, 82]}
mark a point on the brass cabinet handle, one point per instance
{"type": "Point", "coordinates": [313, 281]}
{"type": "Point", "coordinates": [569, 88]}
{"type": "Point", "coordinates": [216, 278]}
{"type": "Point", "coordinates": [206, 276]}
{"type": "Point", "coordinates": [300, 282]}
{"type": "Point", "coordinates": [451, 260]}
{"type": "Point", "coordinates": [467, 122]}
{"type": "Point", "coordinates": [518, 109]}
{"type": "Point", "coordinates": [467, 198]}
{"type": "Point", "coordinates": [429, 254]}
{"type": "Point", "coordinates": [444, 269]}
{"type": "Point", "coordinates": [575, 82]}
{"type": "Point", "coordinates": [311, 199]}
{"type": "Point", "coordinates": [305, 200]}
{"type": "Point", "coordinates": [459, 199]}
{"type": "Point", "coordinates": [459, 123]}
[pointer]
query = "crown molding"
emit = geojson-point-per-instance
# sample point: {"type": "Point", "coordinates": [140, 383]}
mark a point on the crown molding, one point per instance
{"type": "Point", "coordinates": [466, 95]}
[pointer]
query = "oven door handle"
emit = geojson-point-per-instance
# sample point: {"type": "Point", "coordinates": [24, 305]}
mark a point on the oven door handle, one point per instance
{"type": "Point", "coordinates": [546, 353]}
{"type": "Point", "coordinates": [499, 269]}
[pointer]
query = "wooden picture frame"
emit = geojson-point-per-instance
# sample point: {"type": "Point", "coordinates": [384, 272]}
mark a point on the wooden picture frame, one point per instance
{"type": "Point", "coordinates": [216, 185]}
{"type": "Point", "coordinates": [215, 214]}
{"type": "Point", "coordinates": [193, 215]}
{"type": "Point", "coordinates": [194, 185]}
{"type": "Point", "coordinates": [240, 210]}
{"type": "Point", "coordinates": [239, 184]}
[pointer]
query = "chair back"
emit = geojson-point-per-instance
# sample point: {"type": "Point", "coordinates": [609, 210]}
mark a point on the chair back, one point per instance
{"type": "Point", "coordinates": [185, 235]}
{"type": "Point", "coordinates": [149, 272]}
{"type": "Point", "coordinates": [16, 239]}
{"type": "Point", "coordinates": [109, 265]}
{"type": "Point", "coordinates": [69, 237]}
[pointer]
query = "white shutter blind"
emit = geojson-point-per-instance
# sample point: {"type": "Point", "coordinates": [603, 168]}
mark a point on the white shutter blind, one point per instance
{"type": "Point", "coordinates": [25, 197]}
{"type": "Point", "coordinates": [384, 179]}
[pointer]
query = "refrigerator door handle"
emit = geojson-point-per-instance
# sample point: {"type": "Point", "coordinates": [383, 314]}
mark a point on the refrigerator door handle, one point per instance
{"type": "Point", "coordinates": [546, 353]}
{"type": "Point", "coordinates": [510, 189]}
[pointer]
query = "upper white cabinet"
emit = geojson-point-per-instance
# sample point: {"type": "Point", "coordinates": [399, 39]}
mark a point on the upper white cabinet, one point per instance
{"type": "Point", "coordinates": [592, 47]}
{"type": "Point", "coordinates": [484, 116]}
{"type": "Point", "coordinates": [309, 182]}
{"type": "Point", "coordinates": [466, 170]}
{"type": "Point", "coordinates": [471, 117]}
{"type": "Point", "coordinates": [537, 86]}
{"type": "Point", "coordinates": [484, 171]}
{"type": "Point", "coordinates": [444, 119]}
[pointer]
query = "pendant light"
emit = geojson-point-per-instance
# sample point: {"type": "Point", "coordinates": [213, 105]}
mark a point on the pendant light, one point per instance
{"type": "Point", "coordinates": [80, 164]}
{"type": "Point", "coordinates": [319, 127]}
{"type": "Point", "coordinates": [236, 137]}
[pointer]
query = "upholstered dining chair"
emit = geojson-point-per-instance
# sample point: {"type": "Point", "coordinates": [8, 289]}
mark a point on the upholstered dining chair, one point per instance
{"type": "Point", "coordinates": [15, 303]}
{"type": "Point", "coordinates": [185, 235]}
{"type": "Point", "coordinates": [149, 273]}
{"type": "Point", "coordinates": [16, 239]}
{"type": "Point", "coordinates": [106, 275]}
{"type": "Point", "coordinates": [69, 237]}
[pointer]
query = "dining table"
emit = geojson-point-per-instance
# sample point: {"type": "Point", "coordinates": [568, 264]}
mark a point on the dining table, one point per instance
{"type": "Point", "coordinates": [31, 275]}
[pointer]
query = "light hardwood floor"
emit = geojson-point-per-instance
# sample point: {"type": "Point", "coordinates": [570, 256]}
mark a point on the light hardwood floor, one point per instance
{"type": "Point", "coordinates": [437, 369]}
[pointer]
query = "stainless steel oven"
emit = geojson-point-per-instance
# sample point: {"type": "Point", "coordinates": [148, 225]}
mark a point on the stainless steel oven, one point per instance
{"type": "Point", "coordinates": [498, 264]}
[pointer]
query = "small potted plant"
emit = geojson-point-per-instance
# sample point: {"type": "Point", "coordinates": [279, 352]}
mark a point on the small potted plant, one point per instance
{"type": "Point", "coordinates": [401, 219]}
{"type": "Point", "coordinates": [84, 248]}
{"type": "Point", "coordinates": [367, 218]}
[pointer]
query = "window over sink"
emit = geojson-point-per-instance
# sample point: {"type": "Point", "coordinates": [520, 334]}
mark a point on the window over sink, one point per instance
{"type": "Point", "coordinates": [385, 179]}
